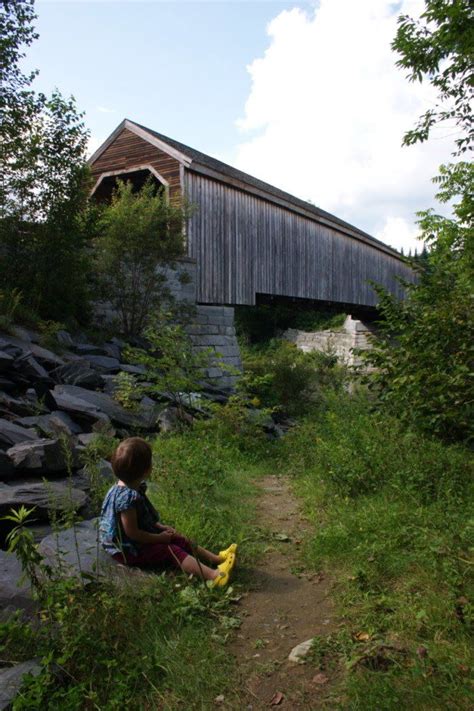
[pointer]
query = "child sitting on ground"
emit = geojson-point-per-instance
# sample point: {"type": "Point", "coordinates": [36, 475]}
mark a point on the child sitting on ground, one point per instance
{"type": "Point", "coordinates": [130, 529]}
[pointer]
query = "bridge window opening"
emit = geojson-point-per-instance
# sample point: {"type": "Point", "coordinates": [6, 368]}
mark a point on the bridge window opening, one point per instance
{"type": "Point", "coordinates": [138, 178]}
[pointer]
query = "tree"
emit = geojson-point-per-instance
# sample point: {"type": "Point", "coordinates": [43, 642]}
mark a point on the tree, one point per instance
{"type": "Point", "coordinates": [140, 237]}
{"type": "Point", "coordinates": [44, 185]}
{"type": "Point", "coordinates": [440, 47]}
{"type": "Point", "coordinates": [424, 358]}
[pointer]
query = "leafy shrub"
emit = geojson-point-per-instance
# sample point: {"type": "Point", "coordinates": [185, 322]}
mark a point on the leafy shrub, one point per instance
{"type": "Point", "coordinates": [141, 234]}
{"type": "Point", "coordinates": [173, 365]}
{"type": "Point", "coordinates": [286, 379]}
{"type": "Point", "coordinates": [239, 422]}
{"type": "Point", "coordinates": [423, 359]}
{"type": "Point", "coordinates": [127, 391]}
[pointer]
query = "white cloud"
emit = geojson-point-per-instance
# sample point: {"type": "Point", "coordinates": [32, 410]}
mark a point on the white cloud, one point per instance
{"type": "Point", "coordinates": [105, 110]}
{"type": "Point", "coordinates": [400, 233]}
{"type": "Point", "coordinates": [327, 111]}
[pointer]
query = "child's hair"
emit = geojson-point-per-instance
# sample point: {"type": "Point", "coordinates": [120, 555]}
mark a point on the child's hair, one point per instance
{"type": "Point", "coordinates": [131, 459]}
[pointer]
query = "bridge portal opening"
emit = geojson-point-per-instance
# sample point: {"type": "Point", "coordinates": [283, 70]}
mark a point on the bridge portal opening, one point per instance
{"type": "Point", "coordinates": [104, 189]}
{"type": "Point", "coordinates": [272, 315]}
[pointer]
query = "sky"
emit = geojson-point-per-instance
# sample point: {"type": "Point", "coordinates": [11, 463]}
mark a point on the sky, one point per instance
{"type": "Point", "coordinates": [304, 95]}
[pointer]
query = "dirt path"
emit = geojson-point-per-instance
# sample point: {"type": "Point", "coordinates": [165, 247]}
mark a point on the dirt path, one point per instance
{"type": "Point", "coordinates": [283, 608]}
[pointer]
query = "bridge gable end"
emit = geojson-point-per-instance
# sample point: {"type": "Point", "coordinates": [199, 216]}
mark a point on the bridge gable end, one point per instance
{"type": "Point", "coordinates": [125, 152]}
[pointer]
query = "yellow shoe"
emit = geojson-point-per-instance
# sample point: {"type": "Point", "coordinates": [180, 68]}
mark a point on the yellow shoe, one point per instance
{"type": "Point", "coordinates": [231, 549]}
{"type": "Point", "coordinates": [220, 581]}
{"type": "Point", "coordinates": [228, 564]}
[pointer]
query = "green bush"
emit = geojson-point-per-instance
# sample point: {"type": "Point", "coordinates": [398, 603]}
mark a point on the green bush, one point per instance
{"type": "Point", "coordinates": [141, 234]}
{"type": "Point", "coordinates": [423, 359]}
{"type": "Point", "coordinates": [286, 379]}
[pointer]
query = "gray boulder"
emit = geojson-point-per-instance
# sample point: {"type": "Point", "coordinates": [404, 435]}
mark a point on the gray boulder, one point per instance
{"type": "Point", "coordinates": [133, 369]}
{"type": "Point", "coordinates": [169, 420]}
{"type": "Point", "coordinates": [11, 433]}
{"type": "Point", "coordinates": [103, 363]}
{"type": "Point", "coordinates": [45, 497]}
{"type": "Point", "coordinates": [64, 339]}
{"type": "Point", "coordinates": [54, 424]}
{"type": "Point", "coordinates": [86, 438]}
{"type": "Point", "coordinates": [78, 373]}
{"type": "Point", "coordinates": [71, 399]}
{"type": "Point", "coordinates": [15, 591]}
{"type": "Point", "coordinates": [145, 418]}
{"type": "Point", "coordinates": [89, 349]}
{"type": "Point", "coordinates": [100, 473]}
{"type": "Point", "coordinates": [40, 456]}
{"type": "Point", "coordinates": [19, 346]}
{"type": "Point", "coordinates": [77, 550]}
{"type": "Point", "coordinates": [113, 350]}
{"type": "Point", "coordinates": [30, 368]}
{"type": "Point", "coordinates": [11, 680]}
{"type": "Point", "coordinates": [17, 406]}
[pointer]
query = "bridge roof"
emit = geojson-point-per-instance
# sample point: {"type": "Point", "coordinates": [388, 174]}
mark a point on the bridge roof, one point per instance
{"type": "Point", "coordinates": [193, 159]}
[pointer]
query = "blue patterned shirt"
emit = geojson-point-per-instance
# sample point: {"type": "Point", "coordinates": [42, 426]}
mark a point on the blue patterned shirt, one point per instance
{"type": "Point", "coordinates": [118, 499]}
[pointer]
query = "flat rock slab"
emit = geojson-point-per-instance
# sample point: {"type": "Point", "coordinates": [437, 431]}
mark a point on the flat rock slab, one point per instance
{"type": "Point", "coordinates": [53, 424]}
{"type": "Point", "coordinates": [41, 456]}
{"type": "Point", "coordinates": [11, 680]}
{"type": "Point", "coordinates": [104, 364]}
{"type": "Point", "coordinates": [75, 404]}
{"type": "Point", "coordinates": [78, 373]}
{"type": "Point", "coordinates": [145, 418]}
{"type": "Point", "coordinates": [76, 550]}
{"type": "Point", "coordinates": [44, 496]}
{"type": "Point", "coordinates": [11, 434]}
{"type": "Point", "coordinates": [15, 591]}
{"type": "Point", "coordinates": [43, 355]}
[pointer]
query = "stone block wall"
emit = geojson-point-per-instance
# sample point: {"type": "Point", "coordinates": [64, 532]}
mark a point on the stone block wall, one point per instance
{"type": "Point", "coordinates": [213, 327]}
{"type": "Point", "coordinates": [354, 334]}
{"type": "Point", "coordinates": [210, 326]}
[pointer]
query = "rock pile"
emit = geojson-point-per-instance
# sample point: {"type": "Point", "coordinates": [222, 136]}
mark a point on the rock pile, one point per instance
{"type": "Point", "coordinates": [51, 404]}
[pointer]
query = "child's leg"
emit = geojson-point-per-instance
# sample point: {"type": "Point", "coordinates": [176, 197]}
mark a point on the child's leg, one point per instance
{"type": "Point", "coordinates": [198, 551]}
{"type": "Point", "coordinates": [191, 566]}
{"type": "Point", "coordinates": [209, 556]}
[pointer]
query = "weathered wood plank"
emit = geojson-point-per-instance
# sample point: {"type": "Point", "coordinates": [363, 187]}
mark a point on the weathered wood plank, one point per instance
{"type": "Point", "coordinates": [246, 245]}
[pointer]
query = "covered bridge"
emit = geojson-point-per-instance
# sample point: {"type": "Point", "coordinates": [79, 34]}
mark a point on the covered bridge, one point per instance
{"type": "Point", "coordinates": [249, 239]}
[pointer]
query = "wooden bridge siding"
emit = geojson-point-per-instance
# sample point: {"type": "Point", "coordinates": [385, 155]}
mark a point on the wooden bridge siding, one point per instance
{"type": "Point", "coordinates": [129, 151]}
{"type": "Point", "coordinates": [246, 245]}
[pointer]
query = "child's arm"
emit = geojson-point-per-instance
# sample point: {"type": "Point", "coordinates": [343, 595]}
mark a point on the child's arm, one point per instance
{"type": "Point", "coordinates": [129, 523]}
{"type": "Point", "coordinates": [164, 527]}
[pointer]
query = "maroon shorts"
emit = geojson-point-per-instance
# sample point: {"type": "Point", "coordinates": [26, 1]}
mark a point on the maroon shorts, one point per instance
{"type": "Point", "coordinates": [158, 554]}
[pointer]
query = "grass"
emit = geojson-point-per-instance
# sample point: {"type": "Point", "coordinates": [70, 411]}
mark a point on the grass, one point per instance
{"type": "Point", "coordinates": [391, 520]}
{"type": "Point", "coordinates": [391, 516]}
{"type": "Point", "coordinates": [155, 642]}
